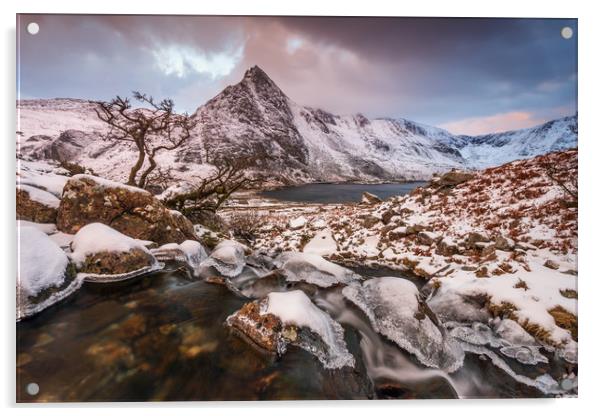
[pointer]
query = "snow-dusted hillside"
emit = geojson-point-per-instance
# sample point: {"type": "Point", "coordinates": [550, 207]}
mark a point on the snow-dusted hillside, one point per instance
{"type": "Point", "coordinates": [254, 119]}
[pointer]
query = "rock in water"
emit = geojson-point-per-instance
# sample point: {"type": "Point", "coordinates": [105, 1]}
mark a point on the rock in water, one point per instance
{"type": "Point", "coordinates": [45, 274]}
{"type": "Point", "coordinates": [34, 204]}
{"type": "Point", "coordinates": [370, 199]}
{"type": "Point", "coordinates": [228, 258]}
{"type": "Point", "coordinates": [394, 309]}
{"type": "Point", "coordinates": [284, 318]}
{"type": "Point", "coordinates": [190, 252]}
{"type": "Point", "coordinates": [103, 254]}
{"type": "Point", "coordinates": [312, 268]}
{"type": "Point", "coordinates": [129, 210]}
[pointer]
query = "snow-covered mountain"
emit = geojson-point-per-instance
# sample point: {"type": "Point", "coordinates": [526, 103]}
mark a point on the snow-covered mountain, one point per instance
{"type": "Point", "coordinates": [255, 119]}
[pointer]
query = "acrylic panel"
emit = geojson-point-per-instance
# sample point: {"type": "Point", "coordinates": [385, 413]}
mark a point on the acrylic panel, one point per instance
{"type": "Point", "coordinates": [290, 208]}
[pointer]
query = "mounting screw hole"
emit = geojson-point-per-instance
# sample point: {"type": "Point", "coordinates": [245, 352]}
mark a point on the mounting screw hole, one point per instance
{"type": "Point", "coordinates": [33, 389]}
{"type": "Point", "coordinates": [33, 28]}
{"type": "Point", "coordinates": [566, 32]}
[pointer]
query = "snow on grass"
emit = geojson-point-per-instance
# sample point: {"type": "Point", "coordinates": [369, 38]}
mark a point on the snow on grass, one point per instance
{"type": "Point", "coordinates": [322, 244]}
{"type": "Point", "coordinates": [95, 238]}
{"type": "Point", "coordinates": [45, 228]}
{"type": "Point", "coordinates": [295, 308]}
{"type": "Point", "coordinates": [40, 196]}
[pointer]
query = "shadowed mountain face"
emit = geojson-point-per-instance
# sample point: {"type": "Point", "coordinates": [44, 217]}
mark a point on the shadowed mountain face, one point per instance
{"type": "Point", "coordinates": [255, 120]}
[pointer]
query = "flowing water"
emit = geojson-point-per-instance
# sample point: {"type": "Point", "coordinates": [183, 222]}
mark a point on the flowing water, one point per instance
{"type": "Point", "coordinates": [329, 193]}
{"type": "Point", "coordinates": [162, 337]}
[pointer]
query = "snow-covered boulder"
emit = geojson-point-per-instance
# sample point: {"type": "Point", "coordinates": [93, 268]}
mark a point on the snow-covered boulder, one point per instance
{"type": "Point", "coordinates": [370, 199]}
{"type": "Point", "coordinates": [395, 310]}
{"type": "Point", "coordinates": [284, 318]}
{"type": "Point", "coordinates": [455, 177]}
{"type": "Point", "coordinates": [312, 268]}
{"type": "Point", "coordinates": [228, 258]}
{"type": "Point", "coordinates": [322, 244]}
{"type": "Point", "coordinates": [105, 255]}
{"type": "Point", "coordinates": [45, 274]}
{"type": "Point", "coordinates": [129, 210]}
{"type": "Point", "coordinates": [297, 223]}
{"type": "Point", "coordinates": [37, 205]}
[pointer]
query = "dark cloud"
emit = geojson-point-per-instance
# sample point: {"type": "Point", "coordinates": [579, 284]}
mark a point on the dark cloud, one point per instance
{"type": "Point", "coordinates": [435, 70]}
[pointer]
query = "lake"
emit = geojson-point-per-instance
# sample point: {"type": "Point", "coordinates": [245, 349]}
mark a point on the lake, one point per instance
{"type": "Point", "coordinates": [332, 193]}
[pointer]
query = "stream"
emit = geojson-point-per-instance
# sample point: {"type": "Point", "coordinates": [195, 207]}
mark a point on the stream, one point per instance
{"type": "Point", "coordinates": [162, 337]}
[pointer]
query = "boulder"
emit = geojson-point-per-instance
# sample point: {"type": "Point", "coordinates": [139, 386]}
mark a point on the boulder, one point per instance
{"type": "Point", "coordinates": [446, 247]}
{"type": "Point", "coordinates": [370, 199]}
{"type": "Point", "coordinates": [297, 223]}
{"type": "Point", "coordinates": [102, 251]}
{"type": "Point", "coordinates": [475, 237]}
{"type": "Point", "coordinates": [36, 205]}
{"type": "Point", "coordinates": [551, 264]}
{"type": "Point", "coordinates": [427, 238]}
{"type": "Point", "coordinates": [45, 275]}
{"type": "Point", "coordinates": [504, 243]}
{"type": "Point", "coordinates": [132, 211]}
{"type": "Point", "coordinates": [455, 177]}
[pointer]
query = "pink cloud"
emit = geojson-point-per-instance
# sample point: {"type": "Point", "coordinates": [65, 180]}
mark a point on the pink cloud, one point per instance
{"type": "Point", "coordinates": [513, 120]}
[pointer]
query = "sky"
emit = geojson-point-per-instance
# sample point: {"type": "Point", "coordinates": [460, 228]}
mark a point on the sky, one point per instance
{"type": "Point", "coordinates": [469, 76]}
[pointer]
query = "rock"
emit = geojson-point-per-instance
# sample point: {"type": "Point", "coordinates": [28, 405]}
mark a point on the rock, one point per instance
{"type": "Point", "coordinates": [415, 228]}
{"type": "Point", "coordinates": [370, 199]}
{"type": "Point", "coordinates": [45, 276]}
{"type": "Point", "coordinates": [504, 243]}
{"type": "Point", "coordinates": [228, 258]}
{"type": "Point", "coordinates": [525, 246]}
{"type": "Point", "coordinates": [129, 210]}
{"type": "Point", "coordinates": [455, 177]}
{"type": "Point", "coordinates": [284, 318]}
{"type": "Point", "coordinates": [319, 224]}
{"type": "Point", "coordinates": [446, 247]}
{"type": "Point", "coordinates": [395, 310]}
{"type": "Point", "coordinates": [474, 237]}
{"type": "Point", "coordinates": [297, 223]}
{"type": "Point", "coordinates": [551, 264]}
{"type": "Point", "coordinates": [36, 205]}
{"type": "Point", "coordinates": [427, 238]}
{"type": "Point", "coordinates": [486, 248]}
{"type": "Point", "coordinates": [107, 255]}
{"type": "Point", "coordinates": [369, 221]}
{"type": "Point", "coordinates": [397, 233]}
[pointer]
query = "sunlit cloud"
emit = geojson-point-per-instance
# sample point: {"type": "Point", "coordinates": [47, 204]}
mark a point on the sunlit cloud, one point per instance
{"type": "Point", "coordinates": [182, 61]}
{"type": "Point", "coordinates": [513, 120]}
{"type": "Point", "coordinates": [292, 44]}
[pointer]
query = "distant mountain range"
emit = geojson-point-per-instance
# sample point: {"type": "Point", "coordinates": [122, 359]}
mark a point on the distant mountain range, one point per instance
{"type": "Point", "coordinates": [292, 143]}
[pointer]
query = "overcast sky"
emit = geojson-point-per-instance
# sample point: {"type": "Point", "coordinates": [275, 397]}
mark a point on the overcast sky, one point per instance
{"type": "Point", "coordinates": [470, 76]}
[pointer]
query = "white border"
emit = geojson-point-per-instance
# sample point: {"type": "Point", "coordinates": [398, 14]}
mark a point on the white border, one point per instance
{"type": "Point", "coordinates": [590, 139]}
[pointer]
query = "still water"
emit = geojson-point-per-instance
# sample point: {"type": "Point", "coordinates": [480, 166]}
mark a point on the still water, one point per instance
{"type": "Point", "coordinates": [333, 193]}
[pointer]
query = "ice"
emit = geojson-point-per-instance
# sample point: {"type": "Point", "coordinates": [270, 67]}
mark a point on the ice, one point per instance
{"type": "Point", "coordinates": [190, 252]}
{"type": "Point", "coordinates": [392, 305]}
{"type": "Point", "coordinates": [40, 196]}
{"type": "Point", "coordinates": [524, 354]}
{"type": "Point", "coordinates": [312, 268]}
{"type": "Point", "coordinates": [477, 334]}
{"type": "Point", "coordinates": [545, 383]}
{"type": "Point", "coordinates": [296, 308]}
{"type": "Point", "coordinates": [515, 334]}
{"type": "Point", "coordinates": [228, 258]}
{"type": "Point", "coordinates": [96, 237]}
{"type": "Point", "coordinates": [42, 266]}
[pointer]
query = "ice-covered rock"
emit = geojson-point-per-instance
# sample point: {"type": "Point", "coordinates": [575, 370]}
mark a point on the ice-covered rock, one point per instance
{"type": "Point", "coordinates": [370, 199]}
{"type": "Point", "coordinates": [284, 318]}
{"type": "Point", "coordinates": [524, 355]}
{"type": "Point", "coordinates": [105, 255]}
{"type": "Point", "coordinates": [312, 268]}
{"type": "Point", "coordinates": [228, 258]}
{"type": "Point", "coordinates": [394, 309]}
{"type": "Point", "coordinates": [45, 274]}
{"type": "Point", "coordinates": [476, 333]}
{"type": "Point", "coordinates": [515, 334]}
{"type": "Point", "coordinates": [190, 252]}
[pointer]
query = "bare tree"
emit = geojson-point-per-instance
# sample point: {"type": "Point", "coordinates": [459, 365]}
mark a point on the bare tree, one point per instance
{"type": "Point", "coordinates": [152, 130]}
{"type": "Point", "coordinates": [209, 193]}
{"type": "Point", "coordinates": [565, 179]}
